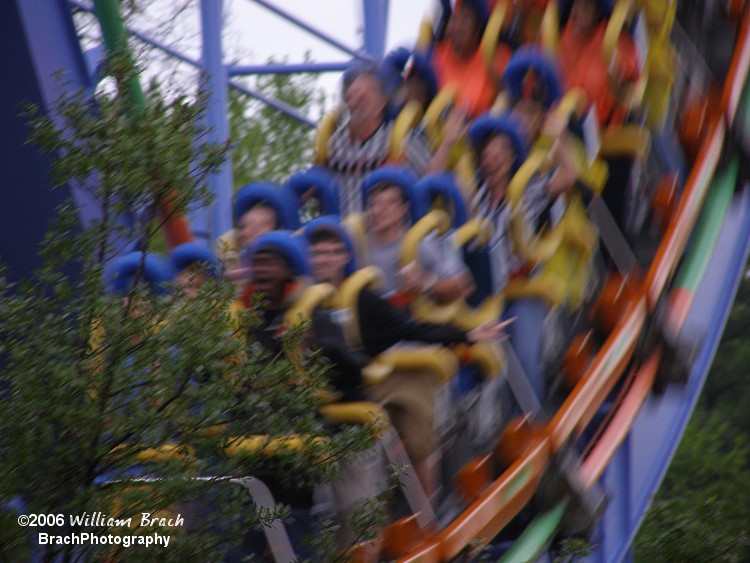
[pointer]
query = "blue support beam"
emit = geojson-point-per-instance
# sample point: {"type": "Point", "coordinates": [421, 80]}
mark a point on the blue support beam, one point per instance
{"type": "Point", "coordinates": [375, 15]}
{"type": "Point", "coordinates": [291, 68]}
{"type": "Point", "coordinates": [277, 105]}
{"type": "Point", "coordinates": [218, 220]}
{"type": "Point", "coordinates": [40, 57]}
{"type": "Point", "coordinates": [282, 107]}
{"type": "Point", "coordinates": [216, 116]}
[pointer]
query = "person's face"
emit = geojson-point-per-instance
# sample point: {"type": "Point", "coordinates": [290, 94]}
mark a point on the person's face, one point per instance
{"type": "Point", "coordinates": [583, 16]}
{"type": "Point", "coordinates": [531, 115]}
{"type": "Point", "coordinates": [386, 209]}
{"type": "Point", "coordinates": [496, 159]}
{"type": "Point", "coordinates": [463, 31]}
{"type": "Point", "coordinates": [270, 274]}
{"type": "Point", "coordinates": [328, 260]}
{"type": "Point", "coordinates": [255, 222]}
{"type": "Point", "coordinates": [190, 281]}
{"type": "Point", "coordinates": [365, 99]}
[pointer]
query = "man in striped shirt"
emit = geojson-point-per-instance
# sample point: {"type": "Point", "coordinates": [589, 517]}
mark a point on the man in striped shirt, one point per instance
{"type": "Point", "coordinates": [361, 142]}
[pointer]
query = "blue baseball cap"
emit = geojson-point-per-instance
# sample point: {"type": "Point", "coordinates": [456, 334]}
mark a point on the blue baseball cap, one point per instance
{"type": "Point", "coordinates": [197, 252]}
{"type": "Point", "coordinates": [156, 273]}
{"type": "Point", "coordinates": [256, 193]}
{"type": "Point", "coordinates": [531, 73]}
{"type": "Point", "coordinates": [283, 243]}
{"type": "Point", "coordinates": [442, 185]}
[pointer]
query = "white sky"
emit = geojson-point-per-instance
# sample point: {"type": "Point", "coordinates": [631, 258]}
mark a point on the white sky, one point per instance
{"type": "Point", "coordinates": [340, 18]}
{"type": "Point", "coordinates": [265, 34]}
{"type": "Point", "coordinates": [253, 34]}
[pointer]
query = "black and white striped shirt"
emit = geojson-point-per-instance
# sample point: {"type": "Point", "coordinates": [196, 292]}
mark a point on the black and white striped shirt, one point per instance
{"type": "Point", "coordinates": [504, 259]}
{"type": "Point", "coordinates": [352, 161]}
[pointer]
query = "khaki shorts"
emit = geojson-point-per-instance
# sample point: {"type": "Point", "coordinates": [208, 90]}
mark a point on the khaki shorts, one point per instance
{"type": "Point", "coordinates": [409, 397]}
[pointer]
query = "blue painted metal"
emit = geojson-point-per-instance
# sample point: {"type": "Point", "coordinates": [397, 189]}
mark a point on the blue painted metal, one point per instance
{"type": "Point", "coordinates": [313, 30]}
{"type": "Point", "coordinates": [291, 68]}
{"type": "Point", "coordinates": [37, 37]}
{"type": "Point", "coordinates": [658, 429]}
{"type": "Point", "coordinates": [46, 52]}
{"type": "Point", "coordinates": [375, 26]}
{"type": "Point", "coordinates": [216, 116]}
{"type": "Point", "coordinates": [94, 58]}
{"type": "Point", "coordinates": [619, 473]}
{"type": "Point", "coordinates": [282, 107]}
{"type": "Point", "coordinates": [52, 43]}
{"type": "Point", "coordinates": [39, 49]}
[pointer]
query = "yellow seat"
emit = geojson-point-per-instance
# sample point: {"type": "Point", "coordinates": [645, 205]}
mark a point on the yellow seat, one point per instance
{"type": "Point", "coordinates": [310, 298]}
{"type": "Point", "coordinates": [546, 286]}
{"type": "Point", "coordinates": [654, 87]}
{"type": "Point", "coordinates": [534, 248]}
{"type": "Point", "coordinates": [630, 140]}
{"type": "Point", "coordinates": [550, 28]}
{"type": "Point", "coordinates": [433, 115]}
{"type": "Point", "coordinates": [538, 248]}
{"type": "Point", "coordinates": [497, 21]}
{"type": "Point", "coordinates": [423, 308]}
{"type": "Point", "coordinates": [439, 361]}
{"type": "Point", "coordinates": [662, 68]}
{"type": "Point", "coordinates": [567, 270]}
{"type": "Point", "coordinates": [408, 118]}
{"type": "Point", "coordinates": [166, 453]}
{"type": "Point", "coordinates": [346, 297]}
{"type": "Point", "coordinates": [323, 133]}
{"type": "Point", "coordinates": [270, 445]}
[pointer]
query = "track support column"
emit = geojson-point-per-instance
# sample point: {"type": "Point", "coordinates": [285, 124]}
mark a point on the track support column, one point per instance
{"type": "Point", "coordinates": [216, 116]}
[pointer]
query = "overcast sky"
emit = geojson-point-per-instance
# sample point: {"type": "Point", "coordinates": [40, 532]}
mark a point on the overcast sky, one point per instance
{"type": "Point", "coordinates": [253, 34]}
{"type": "Point", "coordinates": [342, 19]}
{"type": "Point", "coordinates": [265, 34]}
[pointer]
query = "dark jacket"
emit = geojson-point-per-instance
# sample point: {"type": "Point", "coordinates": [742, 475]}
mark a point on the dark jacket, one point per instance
{"type": "Point", "coordinates": [380, 325]}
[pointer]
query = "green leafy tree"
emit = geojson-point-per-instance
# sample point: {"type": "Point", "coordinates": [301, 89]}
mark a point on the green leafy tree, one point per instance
{"type": "Point", "coordinates": [702, 510]}
{"type": "Point", "coordinates": [703, 507]}
{"type": "Point", "coordinates": [268, 145]}
{"type": "Point", "coordinates": [726, 388]}
{"type": "Point", "coordinates": [97, 391]}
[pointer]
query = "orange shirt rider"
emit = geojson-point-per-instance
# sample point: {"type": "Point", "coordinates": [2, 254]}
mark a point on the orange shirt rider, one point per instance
{"type": "Point", "coordinates": [457, 59]}
{"type": "Point", "coordinates": [582, 61]}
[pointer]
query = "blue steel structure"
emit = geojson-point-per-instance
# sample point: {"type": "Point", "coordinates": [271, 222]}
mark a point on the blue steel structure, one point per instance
{"type": "Point", "coordinates": [216, 114]}
{"type": "Point", "coordinates": [375, 16]}
{"type": "Point", "coordinates": [38, 38]}
{"type": "Point", "coordinates": [637, 469]}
